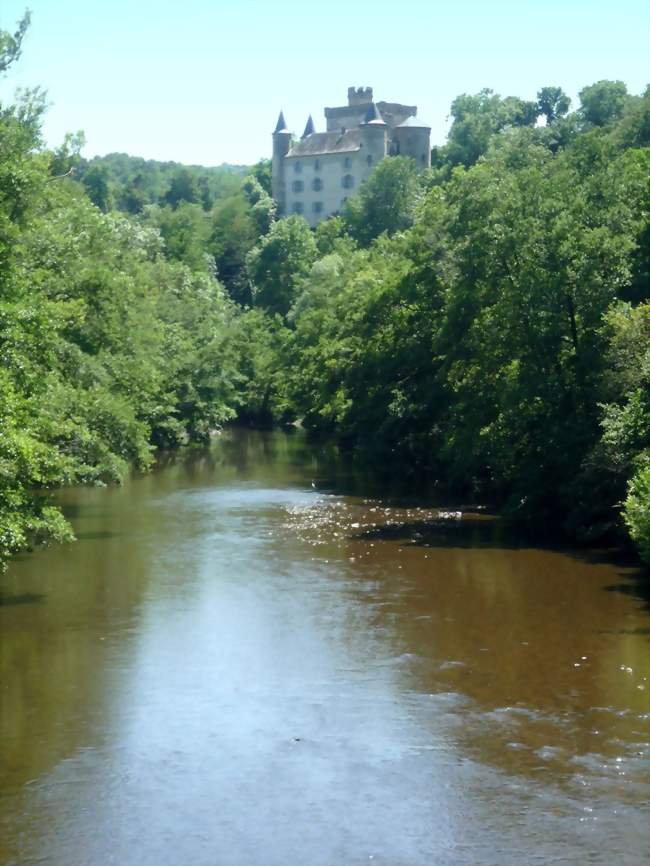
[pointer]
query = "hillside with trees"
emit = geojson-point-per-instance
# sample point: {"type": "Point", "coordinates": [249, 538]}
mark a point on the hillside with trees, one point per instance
{"type": "Point", "coordinates": [484, 326]}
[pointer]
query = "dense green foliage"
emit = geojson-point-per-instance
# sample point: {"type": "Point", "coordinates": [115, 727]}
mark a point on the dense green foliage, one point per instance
{"type": "Point", "coordinates": [484, 325]}
{"type": "Point", "coordinates": [637, 512]}
{"type": "Point", "coordinates": [135, 183]}
{"type": "Point", "coordinates": [115, 336]}
{"type": "Point", "coordinates": [386, 202]}
{"type": "Point", "coordinates": [106, 347]}
{"type": "Point", "coordinates": [277, 265]}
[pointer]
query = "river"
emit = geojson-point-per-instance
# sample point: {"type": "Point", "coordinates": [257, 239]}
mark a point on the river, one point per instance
{"type": "Point", "coordinates": [252, 658]}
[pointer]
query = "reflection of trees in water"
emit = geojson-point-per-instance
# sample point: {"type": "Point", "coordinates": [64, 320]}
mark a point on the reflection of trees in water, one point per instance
{"type": "Point", "coordinates": [57, 608]}
{"type": "Point", "coordinates": [7, 600]}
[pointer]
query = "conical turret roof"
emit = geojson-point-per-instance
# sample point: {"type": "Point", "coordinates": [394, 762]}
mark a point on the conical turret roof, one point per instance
{"type": "Point", "coordinates": [309, 128]}
{"type": "Point", "coordinates": [373, 116]}
{"type": "Point", "coordinates": [281, 125]}
{"type": "Point", "coordinates": [412, 123]}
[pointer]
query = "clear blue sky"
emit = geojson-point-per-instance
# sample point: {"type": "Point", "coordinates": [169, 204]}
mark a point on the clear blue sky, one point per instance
{"type": "Point", "coordinates": [202, 81]}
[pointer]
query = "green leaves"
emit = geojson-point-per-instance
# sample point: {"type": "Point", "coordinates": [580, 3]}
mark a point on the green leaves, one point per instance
{"type": "Point", "coordinates": [386, 202]}
{"type": "Point", "coordinates": [466, 339]}
{"type": "Point", "coordinates": [477, 118]}
{"type": "Point", "coordinates": [106, 346]}
{"type": "Point", "coordinates": [603, 102]}
{"type": "Point", "coordinates": [11, 44]}
{"type": "Point", "coordinates": [484, 325]}
{"type": "Point", "coordinates": [277, 264]}
{"type": "Point", "coordinates": [637, 512]}
{"type": "Point", "coordinates": [553, 103]}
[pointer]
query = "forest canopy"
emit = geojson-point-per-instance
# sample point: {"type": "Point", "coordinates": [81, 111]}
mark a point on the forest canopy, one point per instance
{"type": "Point", "coordinates": [484, 325]}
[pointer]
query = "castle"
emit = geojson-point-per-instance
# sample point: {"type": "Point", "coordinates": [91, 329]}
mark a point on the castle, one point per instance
{"type": "Point", "coordinates": [315, 176]}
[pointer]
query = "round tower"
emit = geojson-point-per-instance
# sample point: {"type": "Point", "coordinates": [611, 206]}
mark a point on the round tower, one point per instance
{"type": "Point", "coordinates": [374, 138]}
{"type": "Point", "coordinates": [281, 145]}
{"type": "Point", "coordinates": [413, 138]}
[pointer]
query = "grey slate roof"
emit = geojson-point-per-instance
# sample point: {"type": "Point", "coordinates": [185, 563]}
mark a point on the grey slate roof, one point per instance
{"type": "Point", "coordinates": [281, 125]}
{"type": "Point", "coordinates": [327, 142]}
{"type": "Point", "coordinates": [413, 123]}
{"type": "Point", "coordinates": [373, 115]}
{"type": "Point", "coordinates": [309, 128]}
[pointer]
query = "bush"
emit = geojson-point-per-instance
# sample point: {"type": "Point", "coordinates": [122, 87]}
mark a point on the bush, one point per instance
{"type": "Point", "coordinates": [637, 511]}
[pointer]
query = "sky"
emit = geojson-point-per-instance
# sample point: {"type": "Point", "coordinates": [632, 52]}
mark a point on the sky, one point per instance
{"type": "Point", "coordinates": [202, 81]}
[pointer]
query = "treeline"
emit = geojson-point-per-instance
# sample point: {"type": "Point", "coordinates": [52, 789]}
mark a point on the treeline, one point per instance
{"type": "Point", "coordinates": [484, 326]}
{"type": "Point", "coordinates": [130, 183]}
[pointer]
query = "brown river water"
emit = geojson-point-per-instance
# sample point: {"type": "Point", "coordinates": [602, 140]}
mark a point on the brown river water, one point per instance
{"type": "Point", "coordinates": [250, 658]}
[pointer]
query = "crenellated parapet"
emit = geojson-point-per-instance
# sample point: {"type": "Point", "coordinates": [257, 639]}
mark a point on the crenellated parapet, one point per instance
{"type": "Point", "coordinates": [359, 95]}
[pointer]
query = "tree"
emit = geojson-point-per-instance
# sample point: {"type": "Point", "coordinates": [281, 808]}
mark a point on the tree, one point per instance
{"type": "Point", "coordinates": [11, 45]}
{"type": "Point", "coordinates": [527, 327]}
{"type": "Point", "coordinates": [95, 181]}
{"type": "Point", "coordinates": [260, 343]}
{"type": "Point", "coordinates": [183, 187]}
{"type": "Point", "coordinates": [66, 159]}
{"type": "Point", "coordinates": [386, 201]}
{"type": "Point", "coordinates": [134, 197]}
{"type": "Point", "coordinates": [263, 207]}
{"type": "Point", "coordinates": [603, 102]}
{"type": "Point", "coordinates": [21, 178]}
{"type": "Point", "coordinates": [476, 119]}
{"type": "Point", "coordinates": [328, 233]}
{"type": "Point", "coordinates": [637, 512]}
{"type": "Point", "coordinates": [184, 230]}
{"type": "Point", "coordinates": [261, 171]}
{"type": "Point", "coordinates": [623, 449]}
{"type": "Point", "coordinates": [279, 262]}
{"type": "Point", "coordinates": [553, 103]}
{"type": "Point", "coordinates": [232, 236]}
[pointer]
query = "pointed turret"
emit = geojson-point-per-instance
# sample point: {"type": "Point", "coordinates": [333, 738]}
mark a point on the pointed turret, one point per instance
{"type": "Point", "coordinates": [373, 115]}
{"type": "Point", "coordinates": [309, 128]}
{"type": "Point", "coordinates": [281, 125]}
{"type": "Point", "coordinates": [281, 146]}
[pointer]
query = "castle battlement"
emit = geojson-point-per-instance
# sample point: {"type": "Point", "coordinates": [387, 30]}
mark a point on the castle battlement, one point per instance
{"type": "Point", "coordinates": [359, 95]}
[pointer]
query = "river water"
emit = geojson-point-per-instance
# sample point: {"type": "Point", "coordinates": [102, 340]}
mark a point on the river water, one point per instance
{"type": "Point", "coordinates": [250, 658]}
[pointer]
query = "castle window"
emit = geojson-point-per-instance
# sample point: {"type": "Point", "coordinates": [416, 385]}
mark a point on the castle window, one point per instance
{"type": "Point", "coordinates": [317, 207]}
{"type": "Point", "coordinates": [297, 167]}
{"type": "Point", "coordinates": [317, 184]}
{"type": "Point", "coordinates": [347, 182]}
{"type": "Point", "coordinates": [317, 165]}
{"type": "Point", "coordinates": [423, 158]}
{"type": "Point", "coordinates": [347, 162]}
{"type": "Point", "coordinates": [297, 186]}
{"type": "Point", "coordinates": [369, 159]}
{"type": "Point", "coordinates": [298, 207]}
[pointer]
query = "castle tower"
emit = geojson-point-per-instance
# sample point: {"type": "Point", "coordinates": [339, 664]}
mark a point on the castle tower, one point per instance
{"type": "Point", "coordinates": [413, 138]}
{"type": "Point", "coordinates": [374, 138]}
{"type": "Point", "coordinates": [281, 145]}
{"type": "Point", "coordinates": [359, 95]}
